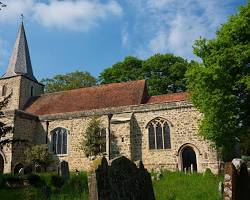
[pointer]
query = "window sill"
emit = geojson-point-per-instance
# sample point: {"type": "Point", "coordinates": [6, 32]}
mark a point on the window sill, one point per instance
{"type": "Point", "coordinates": [60, 155]}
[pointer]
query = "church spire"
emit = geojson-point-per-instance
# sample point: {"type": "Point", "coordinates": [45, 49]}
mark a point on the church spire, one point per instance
{"type": "Point", "coordinates": [20, 63]}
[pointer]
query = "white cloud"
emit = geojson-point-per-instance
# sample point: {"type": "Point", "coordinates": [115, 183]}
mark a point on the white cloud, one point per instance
{"type": "Point", "coordinates": [172, 26]}
{"type": "Point", "coordinates": [76, 15]}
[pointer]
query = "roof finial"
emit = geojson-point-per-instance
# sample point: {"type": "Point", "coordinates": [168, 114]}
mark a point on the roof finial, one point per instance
{"type": "Point", "coordinates": [22, 18]}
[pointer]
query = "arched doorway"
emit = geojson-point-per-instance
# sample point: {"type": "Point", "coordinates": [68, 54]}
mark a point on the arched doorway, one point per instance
{"type": "Point", "coordinates": [188, 159]}
{"type": "Point", "coordinates": [17, 168]}
{"type": "Point", "coordinates": [1, 164]}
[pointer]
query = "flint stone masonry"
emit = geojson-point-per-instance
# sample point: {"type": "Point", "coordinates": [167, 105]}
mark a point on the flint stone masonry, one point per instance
{"type": "Point", "coordinates": [121, 180]}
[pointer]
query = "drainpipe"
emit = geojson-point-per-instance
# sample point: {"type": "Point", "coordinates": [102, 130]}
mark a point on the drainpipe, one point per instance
{"type": "Point", "coordinates": [109, 135]}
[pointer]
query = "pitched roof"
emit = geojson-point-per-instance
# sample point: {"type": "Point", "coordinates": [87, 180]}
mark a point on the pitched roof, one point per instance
{"type": "Point", "coordinates": [20, 63]}
{"type": "Point", "coordinates": [104, 96]}
{"type": "Point", "coordinates": [182, 96]}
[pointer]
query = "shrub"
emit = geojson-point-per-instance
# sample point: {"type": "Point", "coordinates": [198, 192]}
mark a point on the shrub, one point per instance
{"type": "Point", "coordinates": [39, 154]}
{"type": "Point", "coordinates": [35, 180]}
{"type": "Point", "coordinates": [57, 181]}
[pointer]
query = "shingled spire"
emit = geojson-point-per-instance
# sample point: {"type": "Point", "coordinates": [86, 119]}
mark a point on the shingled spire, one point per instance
{"type": "Point", "coordinates": [20, 63]}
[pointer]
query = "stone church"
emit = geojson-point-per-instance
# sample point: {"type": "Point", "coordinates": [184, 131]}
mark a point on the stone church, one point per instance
{"type": "Point", "coordinates": [162, 131]}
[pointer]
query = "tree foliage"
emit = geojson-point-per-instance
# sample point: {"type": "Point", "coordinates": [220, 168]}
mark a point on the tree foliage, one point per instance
{"type": "Point", "coordinates": [69, 81]}
{"type": "Point", "coordinates": [94, 140]}
{"type": "Point", "coordinates": [165, 72]}
{"type": "Point", "coordinates": [4, 128]}
{"type": "Point", "coordinates": [220, 86]}
{"type": "Point", "coordinates": [39, 154]}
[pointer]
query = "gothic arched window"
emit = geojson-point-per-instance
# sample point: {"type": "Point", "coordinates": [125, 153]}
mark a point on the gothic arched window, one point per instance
{"type": "Point", "coordinates": [159, 134]}
{"type": "Point", "coordinates": [59, 141]}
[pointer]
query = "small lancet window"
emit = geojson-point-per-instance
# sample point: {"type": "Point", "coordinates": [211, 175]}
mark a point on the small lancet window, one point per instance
{"type": "Point", "coordinates": [31, 91]}
{"type": "Point", "coordinates": [159, 134]}
{"type": "Point", "coordinates": [4, 90]}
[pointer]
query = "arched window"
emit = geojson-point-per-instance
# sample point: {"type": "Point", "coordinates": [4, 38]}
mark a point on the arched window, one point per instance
{"type": "Point", "coordinates": [59, 141]}
{"type": "Point", "coordinates": [4, 90]}
{"type": "Point", "coordinates": [159, 134]}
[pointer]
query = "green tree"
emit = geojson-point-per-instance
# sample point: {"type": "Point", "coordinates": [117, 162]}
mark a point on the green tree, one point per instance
{"type": "Point", "coordinates": [69, 81]}
{"type": "Point", "coordinates": [94, 138]}
{"type": "Point", "coordinates": [39, 154]}
{"type": "Point", "coordinates": [220, 86]}
{"type": "Point", "coordinates": [165, 73]}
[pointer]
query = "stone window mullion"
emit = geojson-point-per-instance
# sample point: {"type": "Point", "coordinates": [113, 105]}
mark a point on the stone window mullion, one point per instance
{"type": "Point", "coordinates": [162, 133]}
{"type": "Point", "coordinates": [155, 136]}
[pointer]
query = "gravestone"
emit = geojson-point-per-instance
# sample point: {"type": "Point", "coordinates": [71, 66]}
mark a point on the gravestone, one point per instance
{"type": "Point", "coordinates": [64, 170]}
{"type": "Point", "coordinates": [121, 180]}
{"type": "Point", "coordinates": [236, 181]}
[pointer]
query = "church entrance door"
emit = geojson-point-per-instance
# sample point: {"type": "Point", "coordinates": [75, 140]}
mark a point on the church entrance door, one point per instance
{"type": "Point", "coordinates": [189, 159]}
{"type": "Point", "coordinates": [1, 164]}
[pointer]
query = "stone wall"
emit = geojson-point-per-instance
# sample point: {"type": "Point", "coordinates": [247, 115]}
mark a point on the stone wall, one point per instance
{"type": "Point", "coordinates": [25, 127]}
{"type": "Point", "coordinates": [12, 86]}
{"type": "Point", "coordinates": [20, 87]}
{"type": "Point", "coordinates": [132, 136]}
{"type": "Point", "coordinates": [25, 92]}
{"type": "Point", "coordinates": [183, 124]}
{"type": "Point", "coordinates": [76, 129]}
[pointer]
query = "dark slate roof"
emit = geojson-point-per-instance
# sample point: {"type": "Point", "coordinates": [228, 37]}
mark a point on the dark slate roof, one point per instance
{"type": "Point", "coordinates": [20, 63]}
{"type": "Point", "coordinates": [97, 97]}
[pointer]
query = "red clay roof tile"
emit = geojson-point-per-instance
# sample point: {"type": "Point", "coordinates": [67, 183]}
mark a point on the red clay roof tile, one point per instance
{"type": "Point", "coordinates": [182, 96]}
{"type": "Point", "coordinates": [104, 96]}
{"type": "Point", "coordinates": [97, 97]}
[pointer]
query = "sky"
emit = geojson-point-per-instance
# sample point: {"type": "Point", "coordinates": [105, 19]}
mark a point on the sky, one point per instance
{"type": "Point", "coordinates": [91, 35]}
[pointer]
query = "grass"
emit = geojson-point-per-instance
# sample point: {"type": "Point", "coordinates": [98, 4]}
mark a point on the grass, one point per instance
{"type": "Point", "coordinates": [171, 186]}
{"type": "Point", "coordinates": [75, 188]}
{"type": "Point", "coordinates": [180, 186]}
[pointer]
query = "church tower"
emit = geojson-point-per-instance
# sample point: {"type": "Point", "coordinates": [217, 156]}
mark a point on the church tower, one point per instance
{"type": "Point", "coordinates": [19, 80]}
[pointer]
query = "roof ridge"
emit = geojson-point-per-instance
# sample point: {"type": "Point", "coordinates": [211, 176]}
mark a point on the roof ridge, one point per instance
{"type": "Point", "coordinates": [168, 94]}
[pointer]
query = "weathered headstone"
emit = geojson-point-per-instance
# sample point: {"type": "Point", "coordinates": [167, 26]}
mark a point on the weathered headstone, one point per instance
{"type": "Point", "coordinates": [121, 180]}
{"type": "Point", "coordinates": [64, 170]}
{"type": "Point", "coordinates": [236, 181]}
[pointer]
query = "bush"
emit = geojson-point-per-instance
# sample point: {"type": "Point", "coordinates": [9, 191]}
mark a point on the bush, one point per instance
{"type": "Point", "coordinates": [36, 180]}
{"type": "Point", "coordinates": [13, 181]}
{"type": "Point", "coordinates": [57, 181]}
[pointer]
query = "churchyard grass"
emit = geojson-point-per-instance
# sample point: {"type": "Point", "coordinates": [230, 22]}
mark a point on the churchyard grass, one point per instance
{"type": "Point", "coordinates": [180, 186]}
{"type": "Point", "coordinates": [75, 188]}
{"type": "Point", "coordinates": [171, 186]}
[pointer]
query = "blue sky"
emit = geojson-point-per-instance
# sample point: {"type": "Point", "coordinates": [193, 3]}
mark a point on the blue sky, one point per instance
{"type": "Point", "coordinates": [91, 35]}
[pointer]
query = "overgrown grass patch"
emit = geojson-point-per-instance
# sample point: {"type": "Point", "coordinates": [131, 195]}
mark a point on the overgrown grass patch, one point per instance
{"type": "Point", "coordinates": [75, 188]}
{"type": "Point", "coordinates": [180, 186]}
